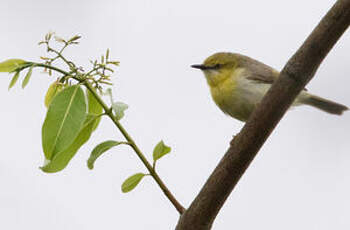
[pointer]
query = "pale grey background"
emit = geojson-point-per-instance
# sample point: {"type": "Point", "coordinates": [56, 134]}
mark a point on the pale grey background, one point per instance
{"type": "Point", "coordinates": [300, 179]}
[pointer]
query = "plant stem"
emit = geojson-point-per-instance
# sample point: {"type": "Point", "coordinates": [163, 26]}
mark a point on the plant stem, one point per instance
{"type": "Point", "coordinates": [52, 67]}
{"type": "Point", "coordinates": [130, 141]}
{"type": "Point", "coordinates": [133, 145]}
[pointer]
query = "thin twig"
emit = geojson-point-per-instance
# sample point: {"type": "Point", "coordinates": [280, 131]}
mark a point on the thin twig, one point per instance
{"type": "Point", "coordinates": [128, 138]}
{"type": "Point", "coordinates": [133, 145]}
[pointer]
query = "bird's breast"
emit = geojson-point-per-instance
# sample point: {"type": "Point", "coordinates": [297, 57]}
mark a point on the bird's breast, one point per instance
{"type": "Point", "coordinates": [224, 94]}
{"type": "Point", "coordinates": [237, 96]}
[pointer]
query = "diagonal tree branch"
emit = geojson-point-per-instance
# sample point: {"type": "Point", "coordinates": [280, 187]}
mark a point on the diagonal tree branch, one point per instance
{"type": "Point", "coordinates": [295, 75]}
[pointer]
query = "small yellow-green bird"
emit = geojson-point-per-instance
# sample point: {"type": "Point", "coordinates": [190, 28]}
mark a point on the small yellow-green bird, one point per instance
{"type": "Point", "coordinates": [238, 83]}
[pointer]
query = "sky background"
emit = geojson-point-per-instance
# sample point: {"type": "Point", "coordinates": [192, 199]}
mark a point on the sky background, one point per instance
{"type": "Point", "coordinates": [299, 180]}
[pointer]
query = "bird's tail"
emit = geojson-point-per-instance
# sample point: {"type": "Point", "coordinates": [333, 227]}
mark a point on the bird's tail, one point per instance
{"type": "Point", "coordinates": [324, 104]}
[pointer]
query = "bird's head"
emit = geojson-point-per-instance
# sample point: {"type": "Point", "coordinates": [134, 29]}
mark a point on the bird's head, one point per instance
{"type": "Point", "coordinates": [218, 67]}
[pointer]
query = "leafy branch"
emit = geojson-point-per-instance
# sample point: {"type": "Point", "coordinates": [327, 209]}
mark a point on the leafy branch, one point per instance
{"type": "Point", "coordinates": [74, 114]}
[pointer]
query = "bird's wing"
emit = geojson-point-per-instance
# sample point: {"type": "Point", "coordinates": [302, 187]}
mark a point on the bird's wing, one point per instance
{"type": "Point", "coordinates": [266, 78]}
{"type": "Point", "coordinates": [258, 71]}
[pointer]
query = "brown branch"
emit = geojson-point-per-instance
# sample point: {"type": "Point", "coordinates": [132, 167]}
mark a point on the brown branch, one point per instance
{"type": "Point", "coordinates": [244, 147]}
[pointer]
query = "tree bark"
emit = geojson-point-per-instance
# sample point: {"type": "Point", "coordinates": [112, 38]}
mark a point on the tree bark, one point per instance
{"type": "Point", "coordinates": [243, 148]}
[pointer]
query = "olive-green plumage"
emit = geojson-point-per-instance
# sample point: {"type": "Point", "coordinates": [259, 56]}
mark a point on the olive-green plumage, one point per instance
{"type": "Point", "coordinates": [238, 83]}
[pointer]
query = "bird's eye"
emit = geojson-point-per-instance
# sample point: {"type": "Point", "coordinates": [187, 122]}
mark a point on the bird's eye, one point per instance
{"type": "Point", "coordinates": [217, 66]}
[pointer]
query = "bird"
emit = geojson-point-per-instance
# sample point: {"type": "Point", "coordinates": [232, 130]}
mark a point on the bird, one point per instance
{"type": "Point", "coordinates": [238, 83]}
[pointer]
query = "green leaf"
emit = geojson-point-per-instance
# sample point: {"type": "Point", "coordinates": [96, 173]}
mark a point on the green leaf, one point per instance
{"type": "Point", "coordinates": [130, 183]}
{"type": "Point", "coordinates": [99, 150]}
{"type": "Point", "coordinates": [11, 65]}
{"type": "Point", "coordinates": [61, 159]}
{"type": "Point", "coordinates": [160, 150]}
{"type": "Point", "coordinates": [119, 108]}
{"type": "Point", "coordinates": [52, 91]}
{"type": "Point", "coordinates": [27, 77]}
{"type": "Point", "coordinates": [14, 80]}
{"type": "Point", "coordinates": [76, 37]}
{"type": "Point", "coordinates": [94, 107]}
{"type": "Point", "coordinates": [63, 121]}
{"type": "Point", "coordinates": [107, 54]}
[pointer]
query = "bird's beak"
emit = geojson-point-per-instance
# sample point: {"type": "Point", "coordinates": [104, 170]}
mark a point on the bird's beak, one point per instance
{"type": "Point", "coordinates": [201, 67]}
